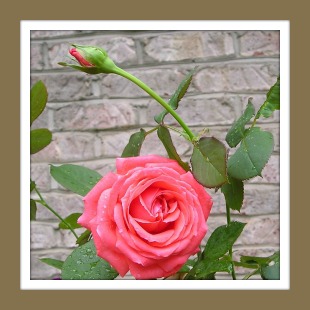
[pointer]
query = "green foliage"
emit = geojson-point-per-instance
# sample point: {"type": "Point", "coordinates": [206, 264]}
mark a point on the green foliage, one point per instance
{"type": "Point", "coordinates": [165, 137]}
{"type": "Point", "coordinates": [33, 210]}
{"type": "Point", "coordinates": [267, 267]}
{"type": "Point", "coordinates": [84, 237]}
{"type": "Point", "coordinates": [234, 193]}
{"type": "Point", "coordinates": [209, 162]}
{"type": "Point", "coordinates": [205, 268]}
{"type": "Point", "coordinates": [84, 264]}
{"type": "Point", "coordinates": [187, 266]}
{"type": "Point", "coordinates": [177, 96]}
{"type": "Point", "coordinates": [252, 155]}
{"type": "Point", "coordinates": [133, 147]}
{"type": "Point", "coordinates": [52, 262]}
{"type": "Point", "coordinates": [271, 272]}
{"type": "Point", "coordinates": [213, 258]}
{"type": "Point", "coordinates": [38, 99]}
{"type": "Point", "coordinates": [272, 101]}
{"type": "Point", "coordinates": [32, 185]}
{"type": "Point", "coordinates": [77, 179]}
{"type": "Point", "coordinates": [237, 131]}
{"type": "Point", "coordinates": [71, 220]}
{"type": "Point", "coordinates": [222, 239]}
{"type": "Point", "coordinates": [39, 139]}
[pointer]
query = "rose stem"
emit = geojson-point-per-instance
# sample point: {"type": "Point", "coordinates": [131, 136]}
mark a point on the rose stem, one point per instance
{"type": "Point", "coordinates": [230, 250]}
{"type": "Point", "coordinates": [43, 203]}
{"type": "Point", "coordinates": [153, 94]}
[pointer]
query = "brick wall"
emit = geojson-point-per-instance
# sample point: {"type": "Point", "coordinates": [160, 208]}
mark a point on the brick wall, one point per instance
{"type": "Point", "coordinates": [92, 117]}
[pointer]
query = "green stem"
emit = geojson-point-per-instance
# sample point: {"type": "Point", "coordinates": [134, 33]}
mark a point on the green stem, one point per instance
{"type": "Point", "coordinates": [178, 131]}
{"type": "Point", "coordinates": [43, 203]}
{"type": "Point", "coordinates": [151, 130]}
{"type": "Point", "coordinates": [246, 277]}
{"type": "Point", "coordinates": [245, 265]}
{"type": "Point", "coordinates": [230, 250]}
{"type": "Point", "coordinates": [153, 94]}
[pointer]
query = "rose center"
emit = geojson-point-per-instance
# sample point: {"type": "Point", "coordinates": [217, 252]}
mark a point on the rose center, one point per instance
{"type": "Point", "coordinates": [155, 210]}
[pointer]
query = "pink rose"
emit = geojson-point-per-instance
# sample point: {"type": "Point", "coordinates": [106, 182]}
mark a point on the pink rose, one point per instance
{"type": "Point", "coordinates": [149, 217]}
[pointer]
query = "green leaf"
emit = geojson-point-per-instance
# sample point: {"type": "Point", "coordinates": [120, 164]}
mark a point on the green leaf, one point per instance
{"type": "Point", "coordinates": [38, 99]}
{"type": "Point", "coordinates": [77, 179]}
{"type": "Point", "coordinates": [268, 267]}
{"type": "Point", "coordinates": [71, 220]}
{"type": "Point", "coordinates": [84, 264]}
{"type": "Point", "coordinates": [222, 239]}
{"type": "Point", "coordinates": [32, 185]}
{"type": "Point", "coordinates": [83, 238]}
{"type": "Point", "coordinates": [165, 137]}
{"type": "Point", "coordinates": [236, 132]}
{"type": "Point", "coordinates": [177, 96]}
{"type": "Point", "coordinates": [133, 147]}
{"type": "Point", "coordinates": [209, 162]}
{"type": "Point", "coordinates": [187, 266]}
{"type": "Point", "coordinates": [52, 262]}
{"type": "Point", "coordinates": [262, 261]}
{"type": "Point", "coordinates": [272, 102]}
{"type": "Point", "coordinates": [254, 260]}
{"type": "Point", "coordinates": [39, 139]}
{"type": "Point", "coordinates": [271, 272]}
{"type": "Point", "coordinates": [234, 193]}
{"type": "Point", "coordinates": [206, 267]}
{"type": "Point", "coordinates": [33, 210]}
{"type": "Point", "coordinates": [252, 155]}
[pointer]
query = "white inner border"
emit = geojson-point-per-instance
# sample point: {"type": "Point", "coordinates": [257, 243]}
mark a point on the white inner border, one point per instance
{"type": "Point", "coordinates": [284, 283]}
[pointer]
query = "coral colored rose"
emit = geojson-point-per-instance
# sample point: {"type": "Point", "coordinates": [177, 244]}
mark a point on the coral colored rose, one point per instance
{"type": "Point", "coordinates": [149, 217]}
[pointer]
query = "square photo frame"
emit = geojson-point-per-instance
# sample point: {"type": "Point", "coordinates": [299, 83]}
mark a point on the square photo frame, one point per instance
{"type": "Point", "coordinates": [27, 27]}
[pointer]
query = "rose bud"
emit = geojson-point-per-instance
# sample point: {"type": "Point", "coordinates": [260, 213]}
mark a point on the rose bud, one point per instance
{"type": "Point", "coordinates": [92, 59]}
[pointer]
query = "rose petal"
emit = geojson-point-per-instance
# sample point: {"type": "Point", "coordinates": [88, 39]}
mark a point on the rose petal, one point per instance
{"type": "Point", "coordinates": [157, 237]}
{"type": "Point", "coordinates": [105, 243]}
{"type": "Point", "coordinates": [142, 273]}
{"type": "Point", "coordinates": [91, 199]}
{"type": "Point", "coordinates": [123, 165]}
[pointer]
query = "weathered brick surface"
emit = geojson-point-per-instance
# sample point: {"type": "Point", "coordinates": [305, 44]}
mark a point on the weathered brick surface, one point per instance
{"type": "Point", "coordinates": [57, 238]}
{"type": "Point", "coordinates": [203, 110]}
{"type": "Point", "coordinates": [260, 230]}
{"type": "Point", "coordinates": [40, 172]}
{"type": "Point", "coordinates": [188, 45]}
{"type": "Point", "coordinates": [260, 43]}
{"type": "Point", "coordinates": [69, 86]}
{"type": "Point", "coordinates": [36, 57]}
{"type": "Point", "coordinates": [67, 147]}
{"type": "Point", "coordinates": [43, 119]}
{"type": "Point", "coordinates": [92, 118]}
{"type": "Point", "coordinates": [38, 34]}
{"type": "Point", "coordinates": [236, 77]}
{"type": "Point", "coordinates": [63, 203]}
{"type": "Point", "coordinates": [42, 236]}
{"type": "Point", "coordinates": [258, 199]}
{"type": "Point", "coordinates": [102, 114]}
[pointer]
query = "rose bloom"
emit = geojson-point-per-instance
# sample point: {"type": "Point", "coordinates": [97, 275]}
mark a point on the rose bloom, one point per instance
{"type": "Point", "coordinates": [147, 218]}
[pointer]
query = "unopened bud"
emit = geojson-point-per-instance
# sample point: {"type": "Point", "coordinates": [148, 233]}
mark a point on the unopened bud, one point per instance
{"type": "Point", "coordinates": [92, 59]}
